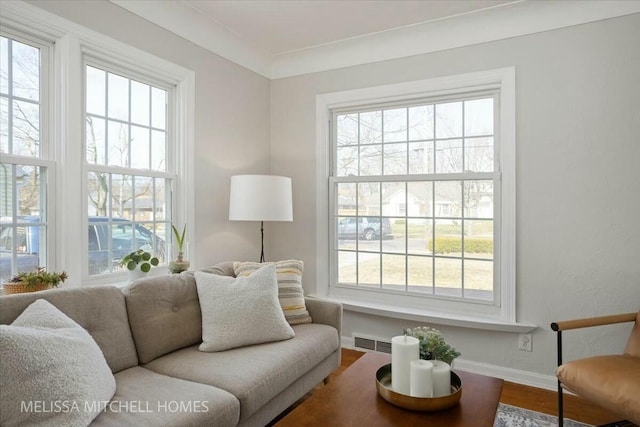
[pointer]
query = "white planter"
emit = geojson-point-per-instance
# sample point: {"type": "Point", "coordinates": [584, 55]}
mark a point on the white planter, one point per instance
{"type": "Point", "coordinates": [136, 274]}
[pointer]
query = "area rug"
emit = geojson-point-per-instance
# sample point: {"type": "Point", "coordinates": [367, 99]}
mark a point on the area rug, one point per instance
{"type": "Point", "coordinates": [512, 416]}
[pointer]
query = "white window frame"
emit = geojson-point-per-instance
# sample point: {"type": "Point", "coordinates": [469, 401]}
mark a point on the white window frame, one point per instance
{"type": "Point", "coordinates": [499, 316]}
{"type": "Point", "coordinates": [46, 159]}
{"type": "Point", "coordinates": [72, 42]}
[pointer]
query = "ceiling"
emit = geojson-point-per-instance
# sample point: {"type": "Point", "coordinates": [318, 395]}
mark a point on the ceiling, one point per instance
{"type": "Point", "coordinates": [283, 38]}
{"type": "Point", "coordinates": [281, 26]}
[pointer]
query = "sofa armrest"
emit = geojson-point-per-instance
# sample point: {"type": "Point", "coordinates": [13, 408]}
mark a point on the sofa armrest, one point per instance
{"type": "Point", "coordinates": [325, 312]}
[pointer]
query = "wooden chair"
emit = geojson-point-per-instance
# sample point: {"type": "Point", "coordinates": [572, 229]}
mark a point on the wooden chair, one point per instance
{"type": "Point", "coordinates": [612, 382]}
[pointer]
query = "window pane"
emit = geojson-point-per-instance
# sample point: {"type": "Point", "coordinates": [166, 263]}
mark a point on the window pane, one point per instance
{"type": "Point", "coordinates": [478, 279]}
{"type": "Point", "coordinates": [420, 201]}
{"type": "Point", "coordinates": [478, 155]}
{"type": "Point", "coordinates": [347, 267]}
{"type": "Point", "coordinates": [449, 120]}
{"type": "Point", "coordinates": [26, 128]}
{"type": "Point", "coordinates": [140, 144]}
{"type": "Point", "coordinates": [449, 156]}
{"type": "Point", "coordinates": [161, 201]}
{"type": "Point", "coordinates": [121, 196]}
{"type": "Point", "coordinates": [419, 232]}
{"type": "Point", "coordinates": [98, 194]}
{"type": "Point", "coordinates": [371, 160]}
{"type": "Point", "coordinates": [395, 159]}
{"type": "Point", "coordinates": [96, 146]}
{"type": "Point", "coordinates": [421, 157]}
{"type": "Point", "coordinates": [478, 239]}
{"type": "Point", "coordinates": [369, 269]}
{"type": "Point", "coordinates": [143, 196]}
{"type": "Point", "coordinates": [420, 274]}
{"type": "Point", "coordinates": [478, 117]}
{"type": "Point", "coordinates": [118, 97]}
{"type": "Point", "coordinates": [347, 161]}
{"type": "Point", "coordinates": [369, 199]}
{"type": "Point", "coordinates": [158, 108]}
{"type": "Point", "coordinates": [96, 85]}
{"type": "Point", "coordinates": [394, 234]}
{"type": "Point", "coordinates": [158, 150]}
{"type": "Point", "coordinates": [448, 201]}
{"type": "Point", "coordinates": [395, 125]}
{"type": "Point", "coordinates": [140, 103]}
{"type": "Point", "coordinates": [421, 123]}
{"type": "Point", "coordinates": [118, 143]}
{"type": "Point", "coordinates": [347, 128]}
{"type": "Point", "coordinates": [371, 127]}
{"type": "Point", "coordinates": [448, 238]}
{"type": "Point", "coordinates": [347, 201]}
{"type": "Point", "coordinates": [448, 277]}
{"type": "Point", "coordinates": [25, 61]}
{"type": "Point", "coordinates": [478, 199]}
{"type": "Point", "coordinates": [393, 272]}
{"type": "Point", "coordinates": [23, 237]}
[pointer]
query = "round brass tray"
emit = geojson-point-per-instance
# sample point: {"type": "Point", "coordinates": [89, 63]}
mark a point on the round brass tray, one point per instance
{"type": "Point", "coordinates": [383, 384]}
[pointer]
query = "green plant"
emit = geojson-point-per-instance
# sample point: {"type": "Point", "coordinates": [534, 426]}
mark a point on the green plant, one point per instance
{"type": "Point", "coordinates": [432, 344]}
{"type": "Point", "coordinates": [139, 257]}
{"type": "Point", "coordinates": [39, 277]}
{"type": "Point", "coordinates": [179, 240]}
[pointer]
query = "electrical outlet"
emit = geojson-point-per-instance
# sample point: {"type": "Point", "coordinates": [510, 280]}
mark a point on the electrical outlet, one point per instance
{"type": "Point", "coordinates": [524, 342]}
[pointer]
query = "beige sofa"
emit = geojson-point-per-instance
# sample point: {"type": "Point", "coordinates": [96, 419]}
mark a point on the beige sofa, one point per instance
{"type": "Point", "coordinates": [149, 334]}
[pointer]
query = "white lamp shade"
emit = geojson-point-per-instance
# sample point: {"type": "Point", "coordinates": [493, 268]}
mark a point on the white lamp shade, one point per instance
{"type": "Point", "coordinates": [260, 198]}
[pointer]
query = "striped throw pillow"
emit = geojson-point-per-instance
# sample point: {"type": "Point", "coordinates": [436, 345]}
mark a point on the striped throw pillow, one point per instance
{"type": "Point", "coordinates": [290, 293]}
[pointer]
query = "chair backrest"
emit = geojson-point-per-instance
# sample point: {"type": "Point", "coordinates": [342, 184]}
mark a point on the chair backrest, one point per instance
{"type": "Point", "coordinates": [633, 344]}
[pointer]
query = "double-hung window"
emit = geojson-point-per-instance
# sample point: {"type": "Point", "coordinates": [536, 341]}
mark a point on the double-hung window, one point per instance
{"type": "Point", "coordinates": [128, 173]}
{"type": "Point", "coordinates": [112, 126]}
{"type": "Point", "coordinates": [421, 202]}
{"type": "Point", "coordinates": [26, 167]}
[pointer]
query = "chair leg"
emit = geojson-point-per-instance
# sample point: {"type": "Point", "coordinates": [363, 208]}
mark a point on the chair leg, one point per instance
{"type": "Point", "coordinates": [560, 406]}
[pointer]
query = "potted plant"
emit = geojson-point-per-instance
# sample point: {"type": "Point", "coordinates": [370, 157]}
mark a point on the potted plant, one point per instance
{"type": "Point", "coordinates": [179, 264]}
{"type": "Point", "coordinates": [432, 344]}
{"type": "Point", "coordinates": [138, 263]}
{"type": "Point", "coordinates": [37, 280]}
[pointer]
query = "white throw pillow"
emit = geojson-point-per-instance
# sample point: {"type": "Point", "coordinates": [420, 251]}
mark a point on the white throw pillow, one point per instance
{"type": "Point", "coordinates": [52, 372]}
{"type": "Point", "coordinates": [240, 311]}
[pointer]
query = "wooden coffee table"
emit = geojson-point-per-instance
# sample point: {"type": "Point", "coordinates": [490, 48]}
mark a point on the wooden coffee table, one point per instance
{"type": "Point", "coordinates": [351, 399]}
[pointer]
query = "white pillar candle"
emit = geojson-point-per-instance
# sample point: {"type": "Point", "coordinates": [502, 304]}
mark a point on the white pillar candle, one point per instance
{"type": "Point", "coordinates": [441, 378]}
{"type": "Point", "coordinates": [404, 349]}
{"type": "Point", "coordinates": [421, 380]}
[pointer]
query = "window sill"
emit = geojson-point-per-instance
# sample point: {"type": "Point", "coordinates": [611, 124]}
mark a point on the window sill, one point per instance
{"type": "Point", "coordinates": [431, 317]}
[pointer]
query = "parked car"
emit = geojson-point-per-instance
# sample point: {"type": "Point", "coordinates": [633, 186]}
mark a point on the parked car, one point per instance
{"type": "Point", "coordinates": [99, 235]}
{"type": "Point", "coordinates": [364, 227]}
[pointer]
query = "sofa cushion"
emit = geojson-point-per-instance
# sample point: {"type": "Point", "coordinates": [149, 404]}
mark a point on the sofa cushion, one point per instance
{"type": "Point", "coordinates": [290, 293]}
{"type": "Point", "coordinates": [255, 374]}
{"type": "Point", "coordinates": [100, 310]}
{"type": "Point", "coordinates": [145, 398]}
{"type": "Point", "coordinates": [49, 361]}
{"type": "Point", "coordinates": [164, 313]}
{"type": "Point", "coordinates": [612, 382]}
{"type": "Point", "coordinates": [240, 311]}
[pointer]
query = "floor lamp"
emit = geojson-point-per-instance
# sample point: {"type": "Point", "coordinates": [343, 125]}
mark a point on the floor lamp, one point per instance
{"type": "Point", "coordinates": [260, 198]}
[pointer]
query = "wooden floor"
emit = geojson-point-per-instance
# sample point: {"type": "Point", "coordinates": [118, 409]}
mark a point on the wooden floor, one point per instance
{"type": "Point", "coordinates": [532, 398]}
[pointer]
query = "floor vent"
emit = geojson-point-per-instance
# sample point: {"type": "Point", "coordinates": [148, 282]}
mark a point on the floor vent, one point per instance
{"type": "Point", "coordinates": [368, 343]}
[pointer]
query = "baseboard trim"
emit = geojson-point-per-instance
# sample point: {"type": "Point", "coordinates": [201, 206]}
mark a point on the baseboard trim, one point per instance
{"type": "Point", "coordinates": [531, 379]}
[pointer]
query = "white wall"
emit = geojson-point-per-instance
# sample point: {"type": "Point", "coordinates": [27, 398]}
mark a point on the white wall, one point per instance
{"type": "Point", "coordinates": [578, 180]}
{"type": "Point", "coordinates": [231, 122]}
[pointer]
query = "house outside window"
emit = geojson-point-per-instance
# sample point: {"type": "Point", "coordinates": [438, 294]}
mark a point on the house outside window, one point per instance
{"type": "Point", "coordinates": [429, 167]}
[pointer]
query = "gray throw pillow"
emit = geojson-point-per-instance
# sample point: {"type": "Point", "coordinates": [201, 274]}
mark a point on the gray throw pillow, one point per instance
{"type": "Point", "coordinates": [242, 311]}
{"type": "Point", "coordinates": [52, 372]}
